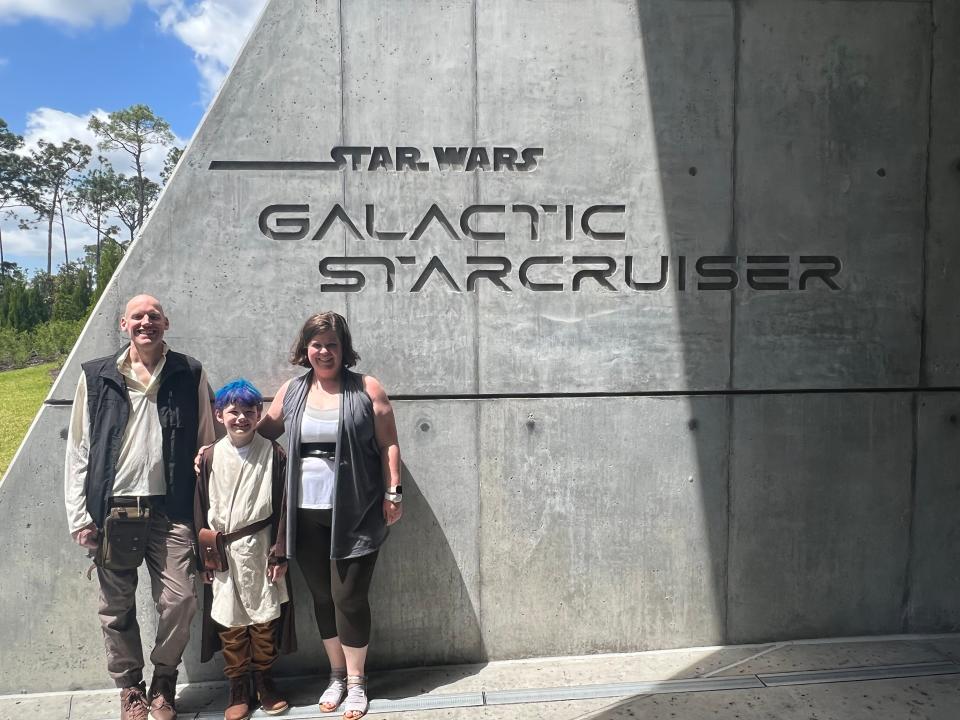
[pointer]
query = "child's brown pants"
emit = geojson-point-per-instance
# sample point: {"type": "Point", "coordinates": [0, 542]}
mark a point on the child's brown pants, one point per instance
{"type": "Point", "coordinates": [247, 648]}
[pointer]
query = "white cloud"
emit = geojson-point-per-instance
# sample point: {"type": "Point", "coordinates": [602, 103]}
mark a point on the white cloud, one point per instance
{"type": "Point", "coordinates": [28, 248]}
{"type": "Point", "coordinates": [214, 29]}
{"type": "Point", "coordinates": [55, 126]}
{"type": "Point", "coordinates": [78, 13]}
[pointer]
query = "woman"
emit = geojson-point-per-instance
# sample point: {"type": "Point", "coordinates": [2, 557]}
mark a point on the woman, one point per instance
{"type": "Point", "coordinates": [343, 489]}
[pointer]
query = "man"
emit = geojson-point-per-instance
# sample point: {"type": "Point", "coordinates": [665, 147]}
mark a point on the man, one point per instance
{"type": "Point", "coordinates": [138, 418]}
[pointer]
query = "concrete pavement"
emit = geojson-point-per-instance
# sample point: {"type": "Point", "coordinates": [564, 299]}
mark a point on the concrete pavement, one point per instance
{"type": "Point", "coordinates": [897, 677]}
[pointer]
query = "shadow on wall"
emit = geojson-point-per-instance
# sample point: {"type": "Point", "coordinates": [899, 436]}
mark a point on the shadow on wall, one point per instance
{"type": "Point", "coordinates": [771, 120]}
{"type": "Point", "coordinates": [421, 609]}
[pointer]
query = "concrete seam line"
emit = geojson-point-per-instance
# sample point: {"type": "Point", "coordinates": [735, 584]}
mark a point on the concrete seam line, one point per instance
{"type": "Point", "coordinates": [63, 402]}
{"type": "Point", "coordinates": [772, 648]}
{"type": "Point", "coordinates": [733, 237]}
{"type": "Point", "coordinates": [906, 597]}
{"type": "Point", "coordinates": [889, 672]}
{"type": "Point", "coordinates": [922, 374]}
{"type": "Point", "coordinates": [876, 638]}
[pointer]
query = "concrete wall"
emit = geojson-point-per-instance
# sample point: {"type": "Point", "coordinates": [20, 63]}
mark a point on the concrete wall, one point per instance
{"type": "Point", "coordinates": [591, 470]}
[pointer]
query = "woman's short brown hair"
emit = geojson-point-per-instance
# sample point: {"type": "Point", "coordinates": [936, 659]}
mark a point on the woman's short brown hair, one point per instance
{"type": "Point", "coordinates": [317, 325]}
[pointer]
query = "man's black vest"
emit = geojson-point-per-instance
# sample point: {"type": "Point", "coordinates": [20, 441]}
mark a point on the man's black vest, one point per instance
{"type": "Point", "coordinates": [108, 409]}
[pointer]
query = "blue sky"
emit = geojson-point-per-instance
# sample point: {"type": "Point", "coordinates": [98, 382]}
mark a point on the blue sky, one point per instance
{"type": "Point", "coordinates": [81, 70]}
{"type": "Point", "coordinates": [63, 60]}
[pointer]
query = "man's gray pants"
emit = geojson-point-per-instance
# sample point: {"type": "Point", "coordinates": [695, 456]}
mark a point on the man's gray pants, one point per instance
{"type": "Point", "coordinates": [172, 567]}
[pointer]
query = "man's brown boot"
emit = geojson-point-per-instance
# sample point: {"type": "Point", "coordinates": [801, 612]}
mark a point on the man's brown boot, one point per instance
{"type": "Point", "coordinates": [133, 703]}
{"type": "Point", "coordinates": [162, 697]}
{"type": "Point", "coordinates": [238, 706]}
{"type": "Point", "coordinates": [267, 694]}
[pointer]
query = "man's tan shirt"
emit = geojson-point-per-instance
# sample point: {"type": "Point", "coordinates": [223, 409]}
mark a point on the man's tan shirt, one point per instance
{"type": "Point", "coordinates": [140, 465]}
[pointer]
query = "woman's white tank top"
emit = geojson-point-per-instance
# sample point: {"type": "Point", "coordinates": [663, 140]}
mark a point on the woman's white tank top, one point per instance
{"type": "Point", "coordinates": [316, 474]}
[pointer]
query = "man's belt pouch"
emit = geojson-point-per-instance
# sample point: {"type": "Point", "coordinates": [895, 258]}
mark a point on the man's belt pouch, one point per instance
{"type": "Point", "coordinates": [123, 542]}
{"type": "Point", "coordinates": [213, 544]}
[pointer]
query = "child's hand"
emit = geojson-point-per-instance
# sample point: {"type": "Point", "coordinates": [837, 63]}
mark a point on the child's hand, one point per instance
{"type": "Point", "coordinates": [275, 573]}
{"type": "Point", "coordinates": [208, 577]}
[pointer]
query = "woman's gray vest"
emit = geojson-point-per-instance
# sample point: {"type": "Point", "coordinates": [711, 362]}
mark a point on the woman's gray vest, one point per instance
{"type": "Point", "coordinates": [358, 525]}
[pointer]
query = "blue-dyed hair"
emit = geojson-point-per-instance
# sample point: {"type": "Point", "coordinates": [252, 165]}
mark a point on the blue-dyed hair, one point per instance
{"type": "Point", "coordinates": [238, 392]}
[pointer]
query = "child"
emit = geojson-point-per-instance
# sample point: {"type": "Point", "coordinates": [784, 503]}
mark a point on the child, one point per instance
{"type": "Point", "coordinates": [247, 609]}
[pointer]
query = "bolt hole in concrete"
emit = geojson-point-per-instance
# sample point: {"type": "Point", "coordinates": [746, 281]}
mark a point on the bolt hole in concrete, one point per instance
{"type": "Point", "coordinates": [693, 423]}
{"type": "Point", "coordinates": [692, 171]}
{"type": "Point", "coordinates": [881, 172]}
{"type": "Point", "coordinates": [424, 426]}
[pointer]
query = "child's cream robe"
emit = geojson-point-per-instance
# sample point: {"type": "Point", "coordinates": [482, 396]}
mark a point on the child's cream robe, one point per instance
{"type": "Point", "coordinates": [240, 490]}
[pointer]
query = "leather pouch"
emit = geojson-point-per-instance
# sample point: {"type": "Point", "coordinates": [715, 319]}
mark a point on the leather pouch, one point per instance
{"type": "Point", "coordinates": [123, 542]}
{"type": "Point", "coordinates": [213, 544]}
{"type": "Point", "coordinates": [213, 550]}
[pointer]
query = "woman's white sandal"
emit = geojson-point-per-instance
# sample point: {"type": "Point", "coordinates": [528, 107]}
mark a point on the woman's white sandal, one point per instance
{"type": "Point", "coordinates": [335, 692]}
{"type": "Point", "coordinates": [356, 701]}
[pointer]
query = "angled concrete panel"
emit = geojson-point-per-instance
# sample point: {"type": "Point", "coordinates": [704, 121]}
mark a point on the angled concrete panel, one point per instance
{"type": "Point", "coordinates": [603, 544]}
{"type": "Point", "coordinates": [942, 312]}
{"type": "Point", "coordinates": [935, 546]}
{"type": "Point", "coordinates": [573, 524]}
{"type": "Point", "coordinates": [409, 81]}
{"type": "Point", "coordinates": [434, 550]}
{"type": "Point", "coordinates": [628, 135]}
{"type": "Point", "coordinates": [819, 515]}
{"type": "Point", "coordinates": [831, 156]}
{"type": "Point", "coordinates": [49, 606]}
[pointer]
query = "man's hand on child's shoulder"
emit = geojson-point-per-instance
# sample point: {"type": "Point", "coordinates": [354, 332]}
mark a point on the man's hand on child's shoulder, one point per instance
{"type": "Point", "coordinates": [198, 458]}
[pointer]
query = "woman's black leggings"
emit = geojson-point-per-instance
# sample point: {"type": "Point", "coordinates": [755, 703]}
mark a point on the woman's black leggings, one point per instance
{"type": "Point", "coordinates": [339, 587]}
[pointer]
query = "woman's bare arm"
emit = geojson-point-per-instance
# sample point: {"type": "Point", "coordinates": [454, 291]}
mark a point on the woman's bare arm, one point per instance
{"type": "Point", "coordinates": [271, 423]}
{"type": "Point", "coordinates": [385, 429]}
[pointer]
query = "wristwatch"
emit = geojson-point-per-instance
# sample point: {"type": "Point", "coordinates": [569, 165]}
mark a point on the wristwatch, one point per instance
{"type": "Point", "coordinates": [395, 495]}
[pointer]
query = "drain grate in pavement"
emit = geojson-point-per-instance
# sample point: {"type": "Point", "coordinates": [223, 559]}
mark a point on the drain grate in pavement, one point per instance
{"type": "Point", "coordinates": [421, 702]}
{"type": "Point", "coordinates": [588, 692]}
{"type": "Point", "coordinates": [883, 672]}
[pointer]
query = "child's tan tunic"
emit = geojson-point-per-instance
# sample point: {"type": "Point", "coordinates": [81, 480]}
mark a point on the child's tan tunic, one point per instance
{"type": "Point", "coordinates": [240, 494]}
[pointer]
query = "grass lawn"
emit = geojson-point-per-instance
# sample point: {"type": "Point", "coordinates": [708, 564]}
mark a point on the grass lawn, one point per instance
{"type": "Point", "coordinates": [21, 394]}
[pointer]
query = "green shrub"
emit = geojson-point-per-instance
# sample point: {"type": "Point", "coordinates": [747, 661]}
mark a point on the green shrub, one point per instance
{"type": "Point", "coordinates": [47, 342]}
{"type": "Point", "coordinates": [14, 350]}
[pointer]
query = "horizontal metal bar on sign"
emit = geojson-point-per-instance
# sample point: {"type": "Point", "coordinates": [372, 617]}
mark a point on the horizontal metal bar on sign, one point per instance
{"type": "Point", "coordinates": [879, 672]}
{"type": "Point", "coordinates": [311, 165]}
{"type": "Point", "coordinates": [588, 692]}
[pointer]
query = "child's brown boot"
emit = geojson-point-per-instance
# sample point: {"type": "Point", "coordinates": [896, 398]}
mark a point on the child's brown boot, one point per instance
{"type": "Point", "coordinates": [267, 694]}
{"type": "Point", "coordinates": [238, 707]}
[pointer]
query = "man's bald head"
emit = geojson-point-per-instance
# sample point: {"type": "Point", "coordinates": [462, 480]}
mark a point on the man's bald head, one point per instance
{"type": "Point", "coordinates": [139, 299]}
{"type": "Point", "coordinates": [144, 322]}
